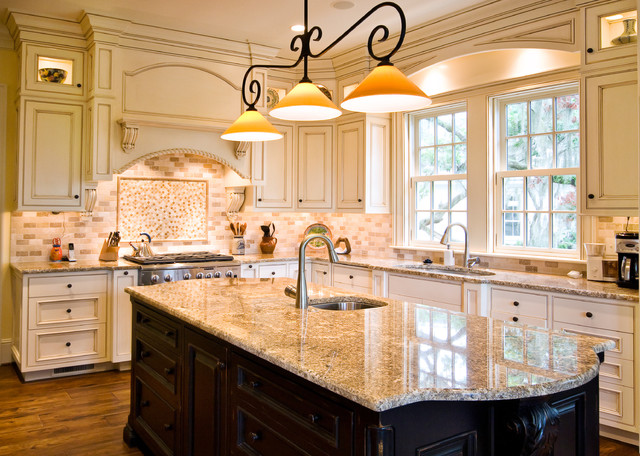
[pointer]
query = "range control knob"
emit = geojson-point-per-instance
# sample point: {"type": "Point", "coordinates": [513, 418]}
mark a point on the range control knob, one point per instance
{"type": "Point", "coordinates": [155, 278]}
{"type": "Point", "coordinates": [199, 275]}
{"type": "Point", "coordinates": [208, 275]}
{"type": "Point", "coordinates": [168, 278]}
{"type": "Point", "coordinates": [217, 274]}
{"type": "Point", "coordinates": [186, 276]}
{"type": "Point", "coordinates": [229, 273]}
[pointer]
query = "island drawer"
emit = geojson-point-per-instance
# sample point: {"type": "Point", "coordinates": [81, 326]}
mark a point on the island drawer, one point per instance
{"type": "Point", "coordinates": [299, 410]}
{"type": "Point", "coordinates": [64, 311]}
{"type": "Point", "coordinates": [256, 437]}
{"type": "Point", "coordinates": [156, 326]}
{"type": "Point", "coordinates": [519, 303]}
{"type": "Point", "coordinates": [67, 285]}
{"type": "Point", "coordinates": [156, 417]}
{"type": "Point", "coordinates": [161, 367]}
{"type": "Point", "coordinates": [593, 314]}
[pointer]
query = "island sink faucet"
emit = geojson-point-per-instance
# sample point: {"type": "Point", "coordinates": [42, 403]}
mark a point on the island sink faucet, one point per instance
{"type": "Point", "coordinates": [300, 291]}
{"type": "Point", "coordinates": [468, 262]}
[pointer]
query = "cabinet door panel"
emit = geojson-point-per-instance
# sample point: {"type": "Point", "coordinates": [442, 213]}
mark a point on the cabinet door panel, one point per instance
{"type": "Point", "coordinates": [378, 165]}
{"type": "Point", "coordinates": [610, 143]}
{"type": "Point", "coordinates": [51, 169]}
{"type": "Point", "coordinates": [278, 172]}
{"type": "Point", "coordinates": [351, 166]}
{"type": "Point", "coordinates": [122, 315]}
{"type": "Point", "coordinates": [314, 167]}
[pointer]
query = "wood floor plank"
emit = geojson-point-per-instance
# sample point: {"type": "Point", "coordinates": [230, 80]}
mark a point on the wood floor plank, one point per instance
{"type": "Point", "coordinates": [85, 415]}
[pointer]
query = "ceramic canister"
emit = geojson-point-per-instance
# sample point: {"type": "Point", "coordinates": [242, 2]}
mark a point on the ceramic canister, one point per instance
{"type": "Point", "coordinates": [237, 245]}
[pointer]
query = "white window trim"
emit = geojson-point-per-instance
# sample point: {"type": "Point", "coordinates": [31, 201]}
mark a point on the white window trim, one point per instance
{"type": "Point", "coordinates": [412, 120]}
{"type": "Point", "coordinates": [498, 152]}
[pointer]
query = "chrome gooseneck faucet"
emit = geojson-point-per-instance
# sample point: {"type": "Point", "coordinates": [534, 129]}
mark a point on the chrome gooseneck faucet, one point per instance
{"type": "Point", "coordinates": [468, 262]}
{"type": "Point", "coordinates": [300, 292]}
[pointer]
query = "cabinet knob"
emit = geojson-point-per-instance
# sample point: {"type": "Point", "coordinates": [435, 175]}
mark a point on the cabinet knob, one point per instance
{"type": "Point", "coordinates": [168, 370]}
{"type": "Point", "coordinates": [78, 85]}
{"type": "Point", "coordinates": [324, 272]}
{"type": "Point", "coordinates": [351, 277]}
{"type": "Point", "coordinates": [299, 200]}
{"type": "Point", "coordinates": [144, 403]}
{"type": "Point", "coordinates": [591, 196]}
{"type": "Point", "coordinates": [590, 50]}
{"type": "Point", "coordinates": [255, 384]}
{"type": "Point", "coordinates": [68, 344]}
{"type": "Point", "coordinates": [516, 303]}
{"type": "Point", "coordinates": [76, 196]}
{"type": "Point", "coordinates": [222, 366]}
{"type": "Point", "coordinates": [126, 272]}
{"type": "Point", "coordinates": [314, 418]}
{"type": "Point", "coordinates": [273, 272]}
{"type": "Point", "coordinates": [250, 266]}
{"type": "Point", "coordinates": [168, 333]}
{"type": "Point", "coordinates": [588, 315]}
{"type": "Point", "coordinates": [144, 354]}
{"type": "Point", "coordinates": [168, 426]}
{"type": "Point", "coordinates": [69, 285]}
{"type": "Point", "coordinates": [515, 318]}
{"type": "Point", "coordinates": [145, 320]}
{"type": "Point", "coordinates": [255, 436]}
{"type": "Point", "coordinates": [359, 200]}
{"type": "Point", "coordinates": [259, 199]}
{"type": "Point", "coordinates": [68, 311]}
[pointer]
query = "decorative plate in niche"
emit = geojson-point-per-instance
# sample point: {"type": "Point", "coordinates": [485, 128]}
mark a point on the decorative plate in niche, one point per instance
{"type": "Point", "coordinates": [167, 209]}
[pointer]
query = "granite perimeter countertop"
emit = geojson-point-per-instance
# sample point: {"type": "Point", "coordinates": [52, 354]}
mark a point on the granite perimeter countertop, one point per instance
{"type": "Point", "coordinates": [384, 357]}
{"type": "Point", "coordinates": [46, 267]}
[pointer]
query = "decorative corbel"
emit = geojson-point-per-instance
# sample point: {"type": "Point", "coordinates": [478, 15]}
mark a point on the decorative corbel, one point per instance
{"type": "Point", "coordinates": [235, 200]}
{"type": "Point", "coordinates": [129, 135]}
{"type": "Point", "coordinates": [242, 148]}
{"type": "Point", "coordinates": [90, 196]}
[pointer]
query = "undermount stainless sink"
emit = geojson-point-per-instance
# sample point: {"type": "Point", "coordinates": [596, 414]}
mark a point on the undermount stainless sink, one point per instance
{"type": "Point", "coordinates": [447, 269]}
{"type": "Point", "coordinates": [348, 303]}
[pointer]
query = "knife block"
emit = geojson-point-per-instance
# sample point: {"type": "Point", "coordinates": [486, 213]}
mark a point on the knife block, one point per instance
{"type": "Point", "coordinates": [108, 253]}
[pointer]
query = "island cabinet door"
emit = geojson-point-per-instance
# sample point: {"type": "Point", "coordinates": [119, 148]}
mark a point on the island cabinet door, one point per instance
{"type": "Point", "coordinates": [205, 396]}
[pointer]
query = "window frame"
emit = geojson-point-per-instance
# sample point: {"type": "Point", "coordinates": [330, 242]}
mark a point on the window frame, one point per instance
{"type": "Point", "coordinates": [414, 177]}
{"type": "Point", "coordinates": [497, 106]}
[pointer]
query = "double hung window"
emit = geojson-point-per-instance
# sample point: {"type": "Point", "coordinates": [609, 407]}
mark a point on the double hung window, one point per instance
{"type": "Point", "coordinates": [537, 167]}
{"type": "Point", "coordinates": [439, 172]}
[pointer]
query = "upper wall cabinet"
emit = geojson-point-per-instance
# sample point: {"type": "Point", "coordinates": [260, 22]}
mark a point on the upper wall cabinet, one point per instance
{"type": "Point", "coordinates": [50, 171]}
{"type": "Point", "coordinates": [48, 70]}
{"type": "Point", "coordinates": [315, 144]}
{"type": "Point", "coordinates": [610, 144]}
{"type": "Point", "coordinates": [364, 165]}
{"type": "Point", "coordinates": [277, 165]}
{"type": "Point", "coordinates": [606, 33]}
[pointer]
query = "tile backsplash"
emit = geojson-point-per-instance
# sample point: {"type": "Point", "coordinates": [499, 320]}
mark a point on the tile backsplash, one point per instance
{"type": "Point", "coordinates": [369, 234]}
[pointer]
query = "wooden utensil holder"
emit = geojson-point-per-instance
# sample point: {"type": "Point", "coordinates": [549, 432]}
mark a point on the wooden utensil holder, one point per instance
{"type": "Point", "coordinates": [108, 253]}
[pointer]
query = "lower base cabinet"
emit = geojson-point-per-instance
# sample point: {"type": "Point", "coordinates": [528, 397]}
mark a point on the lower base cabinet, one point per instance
{"type": "Point", "coordinates": [193, 394]}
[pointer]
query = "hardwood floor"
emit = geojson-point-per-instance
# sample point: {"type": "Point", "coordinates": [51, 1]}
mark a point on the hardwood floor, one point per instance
{"type": "Point", "coordinates": [84, 415]}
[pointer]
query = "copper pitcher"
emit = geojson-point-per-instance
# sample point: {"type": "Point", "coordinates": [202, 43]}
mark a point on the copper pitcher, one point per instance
{"type": "Point", "coordinates": [268, 244]}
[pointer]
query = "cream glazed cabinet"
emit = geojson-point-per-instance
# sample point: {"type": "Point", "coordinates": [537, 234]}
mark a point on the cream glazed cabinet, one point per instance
{"type": "Point", "coordinates": [71, 323]}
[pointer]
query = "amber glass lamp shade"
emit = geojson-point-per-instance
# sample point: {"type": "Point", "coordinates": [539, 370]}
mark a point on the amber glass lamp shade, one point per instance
{"type": "Point", "coordinates": [386, 89]}
{"type": "Point", "coordinates": [251, 126]}
{"type": "Point", "coordinates": [305, 102]}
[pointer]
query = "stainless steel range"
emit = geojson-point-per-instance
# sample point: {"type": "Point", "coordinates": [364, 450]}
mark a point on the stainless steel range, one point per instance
{"type": "Point", "coordinates": [184, 266]}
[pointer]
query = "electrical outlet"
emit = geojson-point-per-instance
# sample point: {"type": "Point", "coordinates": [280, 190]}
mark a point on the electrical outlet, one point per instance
{"type": "Point", "coordinates": [610, 247]}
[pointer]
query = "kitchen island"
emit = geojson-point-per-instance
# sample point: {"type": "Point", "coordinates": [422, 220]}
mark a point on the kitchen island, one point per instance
{"type": "Point", "coordinates": [232, 367]}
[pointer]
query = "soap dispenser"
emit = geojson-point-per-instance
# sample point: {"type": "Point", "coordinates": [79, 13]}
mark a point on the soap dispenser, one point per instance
{"type": "Point", "coordinates": [448, 257]}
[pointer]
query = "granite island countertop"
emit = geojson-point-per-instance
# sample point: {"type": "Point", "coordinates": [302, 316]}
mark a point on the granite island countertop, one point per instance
{"type": "Point", "coordinates": [384, 357]}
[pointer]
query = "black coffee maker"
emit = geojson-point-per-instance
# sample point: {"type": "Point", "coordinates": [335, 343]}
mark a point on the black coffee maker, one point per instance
{"type": "Point", "coordinates": [627, 249]}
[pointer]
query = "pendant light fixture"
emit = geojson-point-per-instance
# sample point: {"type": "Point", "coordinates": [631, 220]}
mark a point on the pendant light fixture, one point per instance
{"type": "Point", "coordinates": [385, 89]}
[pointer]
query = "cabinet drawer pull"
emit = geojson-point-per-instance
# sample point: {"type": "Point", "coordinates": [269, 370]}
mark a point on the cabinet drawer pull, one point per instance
{"type": "Point", "coordinates": [144, 403]}
{"type": "Point", "coordinates": [145, 320]}
{"type": "Point", "coordinates": [126, 272]}
{"type": "Point", "coordinates": [168, 427]}
{"type": "Point", "coordinates": [168, 333]}
{"type": "Point", "coordinates": [68, 311]}
{"type": "Point", "coordinates": [516, 303]}
{"type": "Point", "coordinates": [68, 344]}
{"type": "Point", "coordinates": [69, 285]}
{"type": "Point", "coordinates": [255, 435]}
{"type": "Point", "coordinates": [144, 354]}
{"type": "Point", "coordinates": [314, 418]}
{"type": "Point", "coordinates": [588, 315]}
{"type": "Point", "coordinates": [259, 199]}
{"type": "Point", "coordinates": [168, 370]}
{"type": "Point", "coordinates": [351, 277]}
{"type": "Point", "coordinates": [591, 196]}
{"type": "Point", "coordinates": [250, 266]}
{"type": "Point", "coordinates": [222, 366]}
{"type": "Point", "coordinates": [515, 318]}
{"type": "Point", "coordinates": [255, 384]}
{"type": "Point", "coordinates": [273, 272]}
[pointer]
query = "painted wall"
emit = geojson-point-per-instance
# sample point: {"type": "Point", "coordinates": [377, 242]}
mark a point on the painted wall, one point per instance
{"type": "Point", "coordinates": [8, 77]}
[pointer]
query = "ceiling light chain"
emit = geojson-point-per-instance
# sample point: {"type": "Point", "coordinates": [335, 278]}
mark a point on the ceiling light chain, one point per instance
{"type": "Point", "coordinates": [306, 102]}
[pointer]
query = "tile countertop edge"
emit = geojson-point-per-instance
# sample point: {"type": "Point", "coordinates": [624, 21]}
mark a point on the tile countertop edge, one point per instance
{"type": "Point", "coordinates": [393, 401]}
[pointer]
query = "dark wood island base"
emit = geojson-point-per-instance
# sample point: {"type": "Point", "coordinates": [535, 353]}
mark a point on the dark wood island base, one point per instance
{"type": "Point", "coordinates": [193, 394]}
